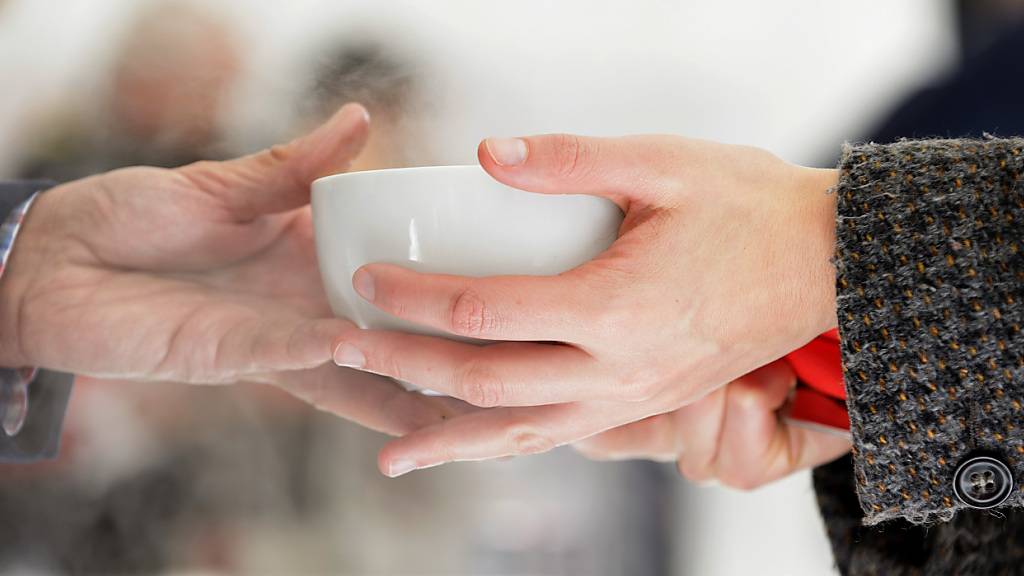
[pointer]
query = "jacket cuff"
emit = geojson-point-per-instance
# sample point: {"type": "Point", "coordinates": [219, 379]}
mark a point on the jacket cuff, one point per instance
{"type": "Point", "coordinates": [929, 289]}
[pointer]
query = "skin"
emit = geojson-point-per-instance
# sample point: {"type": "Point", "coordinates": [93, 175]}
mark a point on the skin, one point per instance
{"type": "Point", "coordinates": [722, 266]}
{"type": "Point", "coordinates": [207, 274]}
{"type": "Point", "coordinates": [203, 274]}
{"type": "Point", "coordinates": [735, 435]}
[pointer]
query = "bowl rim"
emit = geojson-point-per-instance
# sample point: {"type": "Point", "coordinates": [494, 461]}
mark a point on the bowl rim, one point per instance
{"type": "Point", "coordinates": [440, 168]}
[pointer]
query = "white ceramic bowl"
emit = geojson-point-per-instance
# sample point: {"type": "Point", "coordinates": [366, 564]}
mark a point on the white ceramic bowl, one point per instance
{"type": "Point", "coordinates": [447, 219]}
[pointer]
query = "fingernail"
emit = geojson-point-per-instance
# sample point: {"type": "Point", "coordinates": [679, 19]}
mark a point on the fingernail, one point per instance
{"type": "Point", "coordinates": [507, 151]}
{"type": "Point", "coordinates": [348, 356]}
{"type": "Point", "coordinates": [400, 467]}
{"type": "Point", "coordinates": [362, 281]}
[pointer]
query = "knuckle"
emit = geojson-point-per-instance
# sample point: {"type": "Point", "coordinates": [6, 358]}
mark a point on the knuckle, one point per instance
{"type": "Point", "coordinates": [470, 316]}
{"type": "Point", "coordinates": [443, 451]}
{"type": "Point", "coordinates": [570, 155]}
{"type": "Point", "coordinates": [383, 362]}
{"type": "Point", "coordinates": [479, 385]}
{"type": "Point", "coordinates": [746, 398]}
{"type": "Point", "coordinates": [279, 153]}
{"type": "Point", "coordinates": [391, 300]}
{"type": "Point", "coordinates": [295, 346]}
{"type": "Point", "coordinates": [525, 439]}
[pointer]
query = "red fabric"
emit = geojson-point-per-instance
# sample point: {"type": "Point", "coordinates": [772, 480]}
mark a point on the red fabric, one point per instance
{"type": "Point", "coordinates": [819, 366]}
{"type": "Point", "coordinates": [820, 396]}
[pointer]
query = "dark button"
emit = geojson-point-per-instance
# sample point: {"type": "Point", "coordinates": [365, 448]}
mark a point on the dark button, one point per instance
{"type": "Point", "coordinates": [983, 482]}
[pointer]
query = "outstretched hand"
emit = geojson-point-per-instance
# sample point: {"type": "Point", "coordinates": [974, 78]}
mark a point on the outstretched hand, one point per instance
{"type": "Point", "coordinates": [203, 274]}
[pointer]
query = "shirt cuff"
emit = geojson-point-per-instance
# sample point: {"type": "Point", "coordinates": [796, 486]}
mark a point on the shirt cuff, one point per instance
{"type": "Point", "coordinates": [10, 228]}
{"type": "Point", "coordinates": [14, 383]}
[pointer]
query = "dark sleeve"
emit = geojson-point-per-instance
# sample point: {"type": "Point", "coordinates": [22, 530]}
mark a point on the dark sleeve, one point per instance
{"type": "Point", "coordinates": [973, 542]}
{"type": "Point", "coordinates": [49, 392]}
{"type": "Point", "coordinates": [929, 289]}
{"type": "Point", "coordinates": [14, 193]}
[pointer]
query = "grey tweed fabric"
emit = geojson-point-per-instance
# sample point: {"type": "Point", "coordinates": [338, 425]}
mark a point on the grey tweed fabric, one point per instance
{"type": "Point", "coordinates": [929, 284]}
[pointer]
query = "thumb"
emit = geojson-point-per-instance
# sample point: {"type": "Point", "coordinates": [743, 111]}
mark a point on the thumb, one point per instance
{"type": "Point", "coordinates": [278, 179]}
{"type": "Point", "coordinates": [626, 169]}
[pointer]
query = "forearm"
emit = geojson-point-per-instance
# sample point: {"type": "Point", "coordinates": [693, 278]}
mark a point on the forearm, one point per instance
{"type": "Point", "coordinates": [929, 278]}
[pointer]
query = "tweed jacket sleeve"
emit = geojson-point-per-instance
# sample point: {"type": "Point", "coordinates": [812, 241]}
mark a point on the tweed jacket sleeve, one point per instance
{"type": "Point", "coordinates": [930, 280]}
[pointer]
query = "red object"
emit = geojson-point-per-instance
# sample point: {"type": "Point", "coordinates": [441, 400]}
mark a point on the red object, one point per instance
{"type": "Point", "coordinates": [820, 398]}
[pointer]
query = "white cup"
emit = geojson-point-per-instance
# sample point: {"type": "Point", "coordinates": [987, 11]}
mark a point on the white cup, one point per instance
{"type": "Point", "coordinates": [447, 219]}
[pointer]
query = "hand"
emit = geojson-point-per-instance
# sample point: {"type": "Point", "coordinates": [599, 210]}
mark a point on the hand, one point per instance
{"type": "Point", "coordinates": [202, 274]}
{"type": "Point", "coordinates": [735, 435]}
{"type": "Point", "coordinates": [722, 266]}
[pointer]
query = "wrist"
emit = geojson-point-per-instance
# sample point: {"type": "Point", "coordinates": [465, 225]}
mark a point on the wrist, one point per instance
{"type": "Point", "coordinates": [820, 190]}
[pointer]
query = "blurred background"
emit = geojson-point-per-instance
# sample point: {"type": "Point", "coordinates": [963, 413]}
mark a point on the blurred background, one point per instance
{"type": "Point", "coordinates": [181, 480]}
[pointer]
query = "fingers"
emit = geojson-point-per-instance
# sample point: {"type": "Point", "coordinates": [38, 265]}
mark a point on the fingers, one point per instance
{"type": "Point", "coordinates": [502, 432]}
{"type": "Point", "coordinates": [507, 374]}
{"type": "Point", "coordinates": [757, 445]}
{"type": "Point", "coordinates": [371, 401]}
{"type": "Point", "coordinates": [295, 344]}
{"type": "Point", "coordinates": [247, 346]}
{"type": "Point", "coordinates": [652, 438]}
{"type": "Point", "coordinates": [750, 432]}
{"type": "Point", "coordinates": [278, 179]}
{"type": "Point", "coordinates": [539, 308]}
{"type": "Point", "coordinates": [627, 169]}
{"type": "Point", "coordinates": [733, 435]}
{"type": "Point", "coordinates": [699, 426]}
